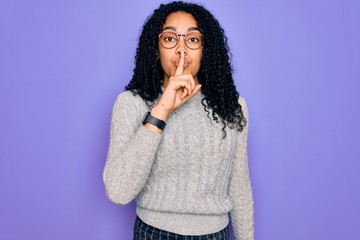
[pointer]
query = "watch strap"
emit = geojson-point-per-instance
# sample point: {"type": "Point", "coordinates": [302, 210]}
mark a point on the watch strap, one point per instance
{"type": "Point", "coordinates": [154, 121]}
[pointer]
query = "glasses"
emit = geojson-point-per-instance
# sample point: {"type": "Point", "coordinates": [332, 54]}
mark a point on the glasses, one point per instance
{"type": "Point", "coordinates": [193, 40]}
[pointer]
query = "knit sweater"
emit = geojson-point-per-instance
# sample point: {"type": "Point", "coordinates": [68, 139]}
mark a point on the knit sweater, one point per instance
{"type": "Point", "coordinates": [186, 180]}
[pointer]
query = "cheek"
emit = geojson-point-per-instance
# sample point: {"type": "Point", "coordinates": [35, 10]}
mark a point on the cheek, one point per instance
{"type": "Point", "coordinates": [166, 65]}
{"type": "Point", "coordinates": [164, 58]}
{"type": "Point", "coordinates": [198, 60]}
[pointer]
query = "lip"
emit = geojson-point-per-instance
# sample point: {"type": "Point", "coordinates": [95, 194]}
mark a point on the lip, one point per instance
{"type": "Point", "coordinates": [186, 63]}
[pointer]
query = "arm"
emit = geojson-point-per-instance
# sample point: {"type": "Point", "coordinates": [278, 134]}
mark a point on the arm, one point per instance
{"type": "Point", "coordinates": [131, 152]}
{"type": "Point", "coordinates": [242, 215]}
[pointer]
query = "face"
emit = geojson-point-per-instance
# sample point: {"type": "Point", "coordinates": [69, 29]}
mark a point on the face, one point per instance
{"type": "Point", "coordinates": [180, 23]}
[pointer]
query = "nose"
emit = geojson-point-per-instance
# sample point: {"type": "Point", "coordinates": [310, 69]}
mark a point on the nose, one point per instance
{"type": "Point", "coordinates": [181, 46]}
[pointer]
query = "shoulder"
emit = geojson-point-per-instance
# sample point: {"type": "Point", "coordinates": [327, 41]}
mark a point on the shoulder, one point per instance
{"type": "Point", "coordinates": [130, 99]}
{"type": "Point", "coordinates": [128, 96]}
{"type": "Point", "coordinates": [129, 102]}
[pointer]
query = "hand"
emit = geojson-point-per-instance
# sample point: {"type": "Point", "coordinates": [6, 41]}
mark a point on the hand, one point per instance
{"type": "Point", "coordinates": [181, 87]}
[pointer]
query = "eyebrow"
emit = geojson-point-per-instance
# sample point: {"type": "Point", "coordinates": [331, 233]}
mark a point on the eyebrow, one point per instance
{"type": "Point", "coordinates": [189, 29]}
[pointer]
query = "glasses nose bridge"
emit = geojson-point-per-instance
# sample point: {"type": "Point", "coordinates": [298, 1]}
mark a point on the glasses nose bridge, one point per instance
{"type": "Point", "coordinates": [179, 38]}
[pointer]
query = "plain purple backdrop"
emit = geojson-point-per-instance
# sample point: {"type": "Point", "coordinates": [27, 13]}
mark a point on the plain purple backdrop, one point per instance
{"type": "Point", "coordinates": [62, 64]}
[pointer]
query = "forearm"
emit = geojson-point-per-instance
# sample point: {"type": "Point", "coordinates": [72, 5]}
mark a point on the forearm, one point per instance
{"type": "Point", "coordinates": [132, 149]}
{"type": "Point", "coordinates": [128, 168]}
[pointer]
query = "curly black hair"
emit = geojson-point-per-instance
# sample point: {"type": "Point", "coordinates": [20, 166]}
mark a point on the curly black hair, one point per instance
{"type": "Point", "coordinates": [215, 74]}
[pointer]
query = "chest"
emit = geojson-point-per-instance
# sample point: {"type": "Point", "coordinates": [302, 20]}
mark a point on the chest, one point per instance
{"type": "Point", "coordinates": [193, 141]}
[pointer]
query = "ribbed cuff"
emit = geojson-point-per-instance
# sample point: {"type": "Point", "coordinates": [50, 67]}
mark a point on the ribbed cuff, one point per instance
{"type": "Point", "coordinates": [184, 224]}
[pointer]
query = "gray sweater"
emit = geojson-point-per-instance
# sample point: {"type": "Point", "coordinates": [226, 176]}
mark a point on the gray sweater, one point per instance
{"type": "Point", "coordinates": [186, 180]}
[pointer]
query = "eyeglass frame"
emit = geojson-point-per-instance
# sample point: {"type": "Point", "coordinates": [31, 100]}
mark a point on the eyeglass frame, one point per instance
{"type": "Point", "coordinates": [178, 39]}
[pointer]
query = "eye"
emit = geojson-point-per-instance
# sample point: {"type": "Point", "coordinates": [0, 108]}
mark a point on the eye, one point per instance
{"type": "Point", "coordinates": [193, 40]}
{"type": "Point", "coordinates": [169, 39]}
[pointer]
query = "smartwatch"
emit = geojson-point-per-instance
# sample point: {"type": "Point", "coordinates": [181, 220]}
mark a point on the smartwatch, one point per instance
{"type": "Point", "coordinates": [154, 121]}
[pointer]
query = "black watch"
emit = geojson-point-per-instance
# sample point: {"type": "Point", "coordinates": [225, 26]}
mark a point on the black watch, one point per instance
{"type": "Point", "coordinates": [154, 121]}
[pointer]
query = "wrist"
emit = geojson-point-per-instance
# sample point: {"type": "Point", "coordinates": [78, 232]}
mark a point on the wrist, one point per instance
{"type": "Point", "coordinates": [160, 111]}
{"type": "Point", "coordinates": [154, 124]}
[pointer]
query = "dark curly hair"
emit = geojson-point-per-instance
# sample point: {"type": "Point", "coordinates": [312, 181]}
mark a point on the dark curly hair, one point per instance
{"type": "Point", "coordinates": [215, 74]}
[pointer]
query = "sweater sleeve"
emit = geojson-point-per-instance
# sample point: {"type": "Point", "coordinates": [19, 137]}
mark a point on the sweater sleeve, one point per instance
{"type": "Point", "coordinates": [242, 214]}
{"type": "Point", "coordinates": [131, 152]}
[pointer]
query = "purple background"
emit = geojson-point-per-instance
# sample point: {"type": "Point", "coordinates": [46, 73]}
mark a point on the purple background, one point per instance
{"type": "Point", "coordinates": [62, 64]}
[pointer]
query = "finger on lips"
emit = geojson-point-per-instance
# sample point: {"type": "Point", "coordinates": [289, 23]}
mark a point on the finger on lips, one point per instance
{"type": "Point", "coordinates": [190, 86]}
{"type": "Point", "coordinates": [180, 67]}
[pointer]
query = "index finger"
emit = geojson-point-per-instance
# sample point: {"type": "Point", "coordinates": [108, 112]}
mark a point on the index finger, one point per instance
{"type": "Point", "coordinates": [180, 67]}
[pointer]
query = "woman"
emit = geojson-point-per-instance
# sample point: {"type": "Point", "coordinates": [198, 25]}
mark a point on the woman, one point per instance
{"type": "Point", "coordinates": [179, 133]}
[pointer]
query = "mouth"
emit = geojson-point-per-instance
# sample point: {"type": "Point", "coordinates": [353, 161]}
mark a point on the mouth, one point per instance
{"type": "Point", "coordinates": [186, 63]}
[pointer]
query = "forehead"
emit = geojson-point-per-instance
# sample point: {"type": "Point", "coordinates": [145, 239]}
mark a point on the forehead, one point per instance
{"type": "Point", "coordinates": [181, 21]}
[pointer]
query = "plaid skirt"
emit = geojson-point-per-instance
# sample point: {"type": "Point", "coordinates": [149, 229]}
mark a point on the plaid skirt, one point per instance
{"type": "Point", "coordinates": [143, 231]}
